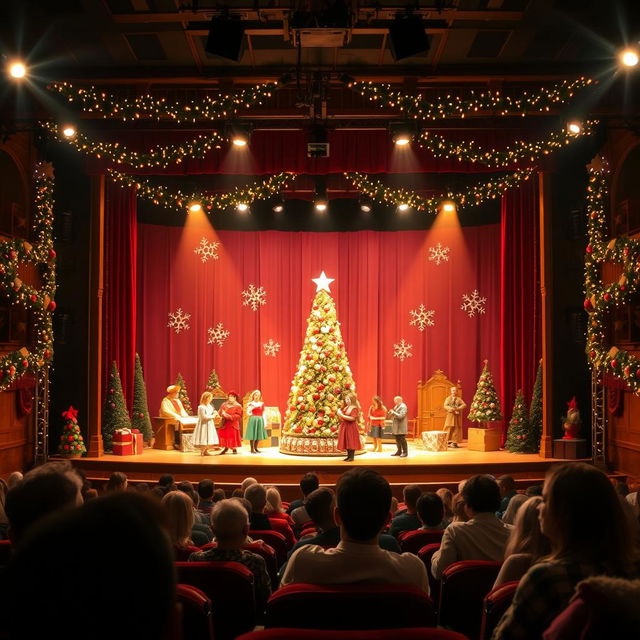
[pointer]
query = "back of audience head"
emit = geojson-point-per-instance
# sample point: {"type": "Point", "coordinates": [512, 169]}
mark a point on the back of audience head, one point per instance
{"type": "Point", "coordinates": [410, 494]}
{"type": "Point", "coordinates": [179, 517]}
{"type": "Point", "coordinates": [247, 482]}
{"type": "Point", "coordinates": [142, 487]}
{"type": "Point", "coordinates": [206, 488]}
{"type": "Point", "coordinates": [446, 496]}
{"type": "Point", "coordinates": [363, 501]}
{"type": "Point", "coordinates": [459, 509]}
{"type": "Point", "coordinates": [14, 479]}
{"type": "Point", "coordinates": [509, 516]}
{"type": "Point", "coordinates": [309, 482]}
{"type": "Point", "coordinates": [187, 487]}
{"type": "Point", "coordinates": [93, 544]}
{"type": "Point", "coordinates": [320, 505]}
{"type": "Point", "coordinates": [481, 495]}
{"type": "Point", "coordinates": [230, 523]}
{"type": "Point", "coordinates": [237, 493]}
{"type": "Point", "coordinates": [218, 495]}
{"type": "Point", "coordinates": [430, 510]}
{"type": "Point", "coordinates": [394, 505]}
{"type": "Point", "coordinates": [506, 484]}
{"type": "Point", "coordinates": [167, 482]}
{"type": "Point", "coordinates": [526, 535]}
{"type": "Point", "coordinates": [274, 501]}
{"type": "Point", "coordinates": [91, 494]}
{"type": "Point", "coordinates": [533, 490]}
{"type": "Point", "coordinates": [622, 488]}
{"type": "Point", "coordinates": [117, 482]}
{"type": "Point", "coordinates": [256, 494]}
{"type": "Point", "coordinates": [244, 503]}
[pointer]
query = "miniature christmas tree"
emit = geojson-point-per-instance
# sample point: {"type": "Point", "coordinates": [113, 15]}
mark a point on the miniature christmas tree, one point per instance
{"type": "Point", "coordinates": [520, 436]}
{"type": "Point", "coordinates": [213, 382]}
{"type": "Point", "coordinates": [71, 441]}
{"type": "Point", "coordinates": [535, 412]}
{"type": "Point", "coordinates": [323, 374]}
{"type": "Point", "coordinates": [140, 410]}
{"type": "Point", "coordinates": [486, 404]}
{"type": "Point", "coordinates": [114, 415]}
{"type": "Point", "coordinates": [183, 395]}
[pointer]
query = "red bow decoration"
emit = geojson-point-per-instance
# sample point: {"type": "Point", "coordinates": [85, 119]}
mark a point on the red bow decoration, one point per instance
{"type": "Point", "coordinates": [573, 403]}
{"type": "Point", "coordinates": [70, 413]}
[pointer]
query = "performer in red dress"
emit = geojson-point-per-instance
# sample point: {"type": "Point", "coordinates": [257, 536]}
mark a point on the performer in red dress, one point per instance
{"type": "Point", "coordinates": [229, 432]}
{"type": "Point", "coordinates": [348, 436]}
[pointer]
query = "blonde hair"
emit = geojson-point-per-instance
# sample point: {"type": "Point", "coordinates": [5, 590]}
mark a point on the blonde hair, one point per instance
{"type": "Point", "coordinates": [253, 393]}
{"type": "Point", "coordinates": [457, 506]}
{"type": "Point", "coordinates": [447, 501]}
{"type": "Point", "coordinates": [206, 397]}
{"type": "Point", "coordinates": [179, 509]}
{"type": "Point", "coordinates": [274, 501]}
{"type": "Point", "coordinates": [526, 535]}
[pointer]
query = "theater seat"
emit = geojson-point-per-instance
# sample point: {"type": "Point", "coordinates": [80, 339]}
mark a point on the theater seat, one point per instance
{"type": "Point", "coordinates": [425, 554]}
{"type": "Point", "coordinates": [275, 540]}
{"type": "Point", "coordinates": [495, 604]}
{"type": "Point", "coordinates": [196, 618]}
{"type": "Point", "coordinates": [281, 526]}
{"type": "Point", "coordinates": [182, 554]}
{"type": "Point", "coordinates": [349, 607]}
{"type": "Point", "coordinates": [463, 588]}
{"type": "Point", "coordinates": [413, 541]}
{"type": "Point", "coordinates": [229, 586]}
{"type": "Point", "coordinates": [5, 552]}
{"type": "Point", "coordinates": [358, 634]}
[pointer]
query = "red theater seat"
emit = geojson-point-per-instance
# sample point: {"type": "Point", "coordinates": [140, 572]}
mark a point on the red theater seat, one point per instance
{"type": "Point", "coordinates": [357, 634]}
{"type": "Point", "coordinates": [5, 552]}
{"type": "Point", "coordinates": [276, 541]}
{"type": "Point", "coordinates": [181, 554]}
{"type": "Point", "coordinates": [413, 541]}
{"type": "Point", "coordinates": [281, 526]}
{"type": "Point", "coordinates": [495, 604]}
{"type": "Point", "coordinates": [196, 618]}
{"type": "Point", "coordinates": [425, 554]}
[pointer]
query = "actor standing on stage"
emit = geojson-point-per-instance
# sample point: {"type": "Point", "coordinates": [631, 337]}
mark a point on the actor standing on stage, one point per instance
{"type": "Point", "coordinates": [399, 426]}
{"type": "Point", "coordinates": [348, 436]}
{"type": "Point", "coordinates": [377, 414]}
{"type": "Point", "coordinates": [229, 432]}
{"type": "Point", "coordinates": [454, 405]}
{"type": "Point", "coordinates": [205, 435]}
{"type": "Point", "coordinates": [171, 406]}
{"type": "Point", "coordinates": [255, 427]}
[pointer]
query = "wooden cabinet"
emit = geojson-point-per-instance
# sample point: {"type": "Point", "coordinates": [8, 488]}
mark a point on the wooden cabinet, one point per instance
{"type": "Point", "coordinates": [431, 397]}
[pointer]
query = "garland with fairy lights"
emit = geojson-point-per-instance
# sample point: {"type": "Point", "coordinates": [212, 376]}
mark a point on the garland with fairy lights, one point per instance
{"type": "Point", "coordinates": [452, 106]}
{"type": "Point", "coordinates": [15, 253]}
{"type": "Point", "coordinates": [108, 105]}
{"type": "Point", "coordinates": [158, 156]}
{"type": "Point", "coordinates": [163, 196]}
{"type": "Point", "coordinates": [518, 150]}
{"type": "Point", "coordinates": [490, 188]}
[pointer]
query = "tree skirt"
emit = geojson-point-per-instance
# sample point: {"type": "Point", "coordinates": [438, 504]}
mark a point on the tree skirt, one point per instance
{"type": "Point", "coordinates": [297, 446]}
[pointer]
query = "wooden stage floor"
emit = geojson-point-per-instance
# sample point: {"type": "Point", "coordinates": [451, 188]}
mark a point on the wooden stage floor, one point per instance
{"type": "Point", "coordinates": [445, 468]}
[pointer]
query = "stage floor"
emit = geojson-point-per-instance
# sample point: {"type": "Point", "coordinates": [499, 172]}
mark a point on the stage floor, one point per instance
{"type": "Point", "coordinates": [444, 468]}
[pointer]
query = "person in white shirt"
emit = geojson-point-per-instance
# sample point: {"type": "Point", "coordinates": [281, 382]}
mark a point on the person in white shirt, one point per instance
{"type": "Point", "coordinates": [483, 536]}
{"type": "Point", "coordinates": [362, 512]}
{"type": "Point", "coordinates": [205, 435]}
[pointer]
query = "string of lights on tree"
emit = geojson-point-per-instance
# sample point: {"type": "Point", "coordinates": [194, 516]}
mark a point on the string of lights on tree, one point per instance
{"type": "Point", "coordinates": [108, 105]}
{"type": "Point", "coordinates": [14, 254]}
{"type": "Point", "coordinates": [490, 188]}
{"type": "Point", "coordinates": [158, 156]}
{"type": "Point", "coordinates": [518, 150]}
{"type": "Point", "coordinates": [496, 101]}
{"type": "Point", "coordinates": [239, 199]}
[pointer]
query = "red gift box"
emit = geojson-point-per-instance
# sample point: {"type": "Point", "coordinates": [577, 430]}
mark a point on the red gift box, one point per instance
{"type": "Point", "coordinates": [138, 442]}
{"type": "Point", "coordinates": [123, 442]}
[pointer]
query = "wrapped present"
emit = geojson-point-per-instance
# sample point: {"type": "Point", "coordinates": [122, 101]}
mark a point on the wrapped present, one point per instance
{"type": "Point", "coordinates": [435, 440]}
{"type": "Point", "coordinates": [138, 442]}
{"type": "Point", "coordinates": [123, 442]}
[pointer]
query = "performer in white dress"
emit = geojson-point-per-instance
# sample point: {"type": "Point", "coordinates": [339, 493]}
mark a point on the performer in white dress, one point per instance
{"type": "Point", "coordinates": [205, 434]}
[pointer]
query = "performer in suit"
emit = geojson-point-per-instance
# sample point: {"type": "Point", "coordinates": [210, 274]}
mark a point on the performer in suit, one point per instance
{"type": "Point", "coordinates": [348, 436]}
{"type": "Point", "coordinates": [399, 426]}
{"type": "Point", "coordinates": [205, 435]}
{"type": "Point", "coordinates": [454, 405]}
{"type": "Point", "coordinates": [171, 405]}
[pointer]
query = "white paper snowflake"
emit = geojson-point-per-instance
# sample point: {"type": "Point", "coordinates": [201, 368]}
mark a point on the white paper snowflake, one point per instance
{"type": "Point", "coordinates": [217, 334]}
{"type": "Point", "coordinates": [179, 320]}
{"type": "Point", "coordinates": [271, 348]}
{"type": "Point", "coordinates": [207, 250]}
{"type": "Point", "coordinates": [422, 317]}
{"type": "Point", "coordinates": [472, 303]}
{"type": "Point", "coordinates": [254, 297]}
{"type": "Point", "coordinates": [439, 254]}
{"type": "Point", "coordinates": [402, 350]}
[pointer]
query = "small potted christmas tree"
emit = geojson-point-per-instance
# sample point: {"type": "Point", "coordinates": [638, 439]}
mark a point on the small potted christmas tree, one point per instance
{"type": "Point", "coordinates": [535, 411]}
{"type": "Point", "coordinates": [520, 436]}
{"type": "Point", "coordinates": [485, 409]}
{"type": "Point", "coordinates": [71, 441]}
{"type": "Point", "coordinates": [140, 419]}
{"type": "Point", "coordinates": [184, 395]}
{"type": "Point", "coordinates": [114, 415]}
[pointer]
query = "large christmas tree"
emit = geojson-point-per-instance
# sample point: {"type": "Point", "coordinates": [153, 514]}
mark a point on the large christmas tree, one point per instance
{"type": "Point", "coordinates": [71, 441]}
{"type": "Point", "coordinates": [140, 410]}
{"type": "Point", "coordinates": [323, 374]}
{"type": "Point", "coordinates": [485, 406]}
{"type": "Point", "coordinates": [535, 412]}
{"type": "Point", "coordinates": [114, 415]}
{"type": "Point", "coordinates": [183, 395]}
{"type": "Point", "coordinates": [520, 436]}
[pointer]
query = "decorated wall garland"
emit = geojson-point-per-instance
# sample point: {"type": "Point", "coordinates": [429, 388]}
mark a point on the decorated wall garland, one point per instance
{"type": "Point", "coordinates": [489, 188]}
{"type": "Point", "coordinates": [180, 201]}
{"type": "Point", "coordinates": [17, 252]}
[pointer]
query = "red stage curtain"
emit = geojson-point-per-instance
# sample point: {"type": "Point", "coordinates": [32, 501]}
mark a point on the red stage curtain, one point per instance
{"type": "Point", "coordinates": [120, 284]}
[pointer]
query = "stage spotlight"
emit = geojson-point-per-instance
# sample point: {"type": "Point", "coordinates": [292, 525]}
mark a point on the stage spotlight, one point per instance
{"type": "Point", "coordinates": [240, 134]}
{"type": "Point", "coordinates": [68, 131]}
{"type": "Point", "coordinates": [407, 36]}
{"type": "Point", "coordinates": [226, 37]}
{"type": "Point", "coordinates": [278, 206]}
{"type": "Point", "coordinates": [365, 203]}
{"type": "Point", "coordinates": [403, 206]}
{"type": "Point", "coordinates": [448, 206]}
{"type": "Point", "coordinates": [242, 206]}
{"type": "Point", "coordinates": [320, 197]}
{"type": "Point", "coordinates": [574, 127]}
{"type": "Point", "coordinates": [17, 69]}
{"type": "Point", "coordinates": [402, 133]}
{"type": "Point", "coordinates": [629, 58]}
{"type": "Point", "coordinates": [194, 207]}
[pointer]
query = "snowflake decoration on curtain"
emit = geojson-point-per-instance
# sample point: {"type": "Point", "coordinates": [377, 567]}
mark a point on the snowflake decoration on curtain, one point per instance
{"type": "Point", "coordinates": [207, 250]}
{"type": "Point", "coordinates": [439, 254]}
{"type": "Point", "coordinates": [217, 334]}
{"type": "Point", "coordinates": [472, 303]}
{"type": "Point", "coordinates": [179, 320]}
{"type": "Point", "coordinates": [422, 318]}
{"type": "Point", "coordinates": [402, 350]}
{"type": "Point", "coordinates": [254, 297]}
{"type": "Point", "coordinates": [271, 348]}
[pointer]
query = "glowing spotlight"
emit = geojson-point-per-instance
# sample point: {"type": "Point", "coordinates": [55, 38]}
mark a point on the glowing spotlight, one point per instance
{"type": "Point", "coordinates": [321, 206]}
{"type": "Point", "coordinates": [403, 206]}
{"type": "Point", "coordinates": [402, 141]}
{"type": "Point", "coordinates": [69, 131]}
{"type": "Point", "coordinates": [402, 132]}
{"type": "Point", "coordinates": [448, 206]}
{"type": "Point", "coordinates": [320, 196]}
{"type": "Point", "coordinates": [629, 58]}
{"type": "Point", "coordinates": [242, 206]}
{"type": "Point", "coordinates": [17, 70]}
{"type": "Point", "coordinates": [574, 127]}
{"type": "Point", "coordinates": [240, 134]}
{"type": "Point", "coordinates": [194, 207]}
{"type": "Point", "coordinates": [278, 208]}
{"type": "Point", "coordinates": [365, 204]}
{"type": "Point", "coordinates": [239, 142]}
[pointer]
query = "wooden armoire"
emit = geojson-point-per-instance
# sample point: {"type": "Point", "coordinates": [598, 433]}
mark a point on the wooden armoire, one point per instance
{"type": "Point", "coordinates": [431, 397]}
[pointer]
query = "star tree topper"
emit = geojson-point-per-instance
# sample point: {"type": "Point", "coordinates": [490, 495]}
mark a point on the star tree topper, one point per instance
{"type": "Point", "coordinates": [322, 282]}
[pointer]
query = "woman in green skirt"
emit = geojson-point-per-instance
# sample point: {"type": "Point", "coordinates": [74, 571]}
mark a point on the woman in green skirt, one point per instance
{"type": "Point", "coordinates": [255, 428]}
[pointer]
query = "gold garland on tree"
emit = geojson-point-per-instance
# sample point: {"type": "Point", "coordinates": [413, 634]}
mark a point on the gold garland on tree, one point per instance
{"type": "Point", "coordinates": [180, 201]}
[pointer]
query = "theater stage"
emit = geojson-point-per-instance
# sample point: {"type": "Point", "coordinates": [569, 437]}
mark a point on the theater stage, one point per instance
{"type": "Point", "coordinates": [445, 468]}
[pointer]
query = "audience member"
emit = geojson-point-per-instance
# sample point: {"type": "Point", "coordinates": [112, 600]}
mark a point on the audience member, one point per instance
{"type": "Point", "coordinates": [308, 483]}
{"type": "Point", "coordinates": [206, 488]}
{"type": "Point", "coordinates": [581, 546]}
{"type": "Point", "coordinates": [218, 495]}
{"type": "Point", "coordinates": [14, 479]}
{"type": "Point", "coordinates": [526, 545]}
{"type": "Point", "coordinates": [91, 494]}
{"type": "Point", "coordinates": [515, 503]}
{"type": "Point", "coordinates": [179, 520]}
{"type": "Point", "coordinates": [408, 520]}
{"type": "Point", "coordinates": [200, 520]}
{"type": "Point", "coordinates": [257, 497]}
{"type": "Point", "coordinates": [142, 487]}
{"type": "Point", "coordinates": [247, 482]}
{"type": "Point", "coordinates": [430, 510]}
{"type": "Point", "coordinates": [394, 506]}
{"type": "Point", "coordinates": [230, 524]}
{"type": "Point", "coordinates": [69, 573]}
{"type": "Point", "coordinates": [274, 508]}
{"type": "Point", "coordinates": [117, 482]}
{"type": "Point", "coordinates": [446, 495]}
{"type": "Point", "coordinates": [458, 507]}
{"type": "Point", "coordinates": [167, 483]}
{"type": "Point", "coordinates": [86, 483]}
{"type": "Point", "coordinates": [237, 493]}
{"type": "Point", "coordinates": [363, 503]}
{"type": "Point", "coordinates": [483, 537]}
{"type": "Point", "coordinates": [622, 488]}
{"type": "Point", "coordinates": [507, 490]}
{"type": "Point", "coordinates": [533, 490]}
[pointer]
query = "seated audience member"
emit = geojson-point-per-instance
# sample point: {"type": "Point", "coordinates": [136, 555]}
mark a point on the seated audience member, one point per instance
{"type": "Point", "coordinates": [526, 545]}
{"type": "Point", "coordinates": [581, 546]}
{"type": "Point", "coordinates": [142, 487]}
{"type": "Point", "coordinates": [447, 501]}
{"type": "Point", "coordinates": [458, 507]}
{"type": "Point", "coordinates": [308, 483]}
{"type": "Point", "coordinates": [218, 495]}
{"type": "Point", "coordinates": [45, 489]}
{"type": "Point", "coordinates": [230, 524]}
{"type": "Point", "coordinates": [622, 488]}
{"type": "Point", "coordinates": [91, 494]}
{"type": "Point", "coordinates": [507, 490]}
{"type": "Point", "coordinates": [533, 490]}
{"type": "Point", "coordinates": [206, 488]}
{"type": "Point", "coordinates": [117, 482]}
{"type": "Point", "coordinates": [394, 506]}
{"type": "Point", "coordinates": [247, 482]}
{"type": "Point", "coordinates": [76, 566]}
{"type": "Point", "coordinates": [274, 508]}
{"type": "Point", "coordinates": [180, 519]}
{"type": "Point", "coordinates": [15, 478]}
{"type": "Point", "coordinates": [237, 493]}
{"type": "Point", "coordinates": [362, 511]}
{"type": "Point", "coordinates": [257, 497]}
{"type": "Point", "coordinates": [430, 510]}
{"type": "Point", "coordinates": [407, 520]}
{"type": "Point", "coordinates": [515, 503]}
{"type": "Point", "coordinates": [200, 519]}
{"type": "Point", "coordinates": [167, 483]}
{"type": "Point", "coordinates": [482, 537]}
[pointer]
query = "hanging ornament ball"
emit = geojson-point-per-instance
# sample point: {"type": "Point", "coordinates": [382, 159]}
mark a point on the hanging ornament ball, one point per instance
{"type": "Point", "coordinates": [607, 297]}
{"type": "Point", "coordinates": [627, 371]}
{"type": "Point", "coordinates": [52, 254]}
{"type": "Point", "coordinates": [589, 249]}
{"type": "Point", "coordinates": [614, 364]}
{"type": "Point", "coordinates": [52, 306]}
{"type": "Point", "coordinates": [112, 391]}
{"type": "Point", "coordinates": [25, 363]}
{"type": "Point", "coordinates": [592, 354]}
{"type": "Point", "coordinates": [12, 370]}
{"type": "Point", "coordinates": [112, 405]}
